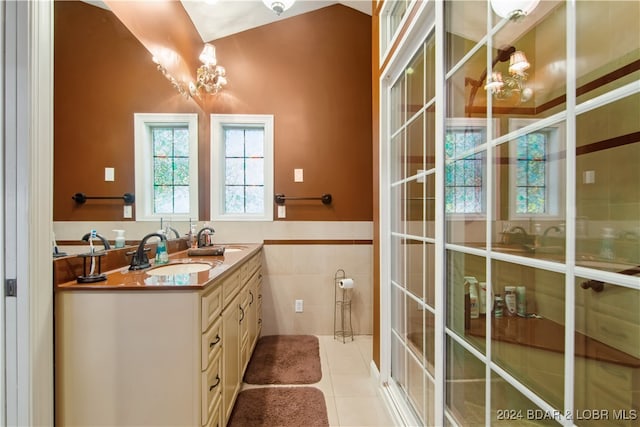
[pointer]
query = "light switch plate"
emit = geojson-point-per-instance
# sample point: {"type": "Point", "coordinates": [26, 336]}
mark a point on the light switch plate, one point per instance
{"type": "Point", "coordinates": [298, 175]}
{"type": "Point", "coordinates": [109, 174]}
{"type": "Point", "coordinates": [589, 177]}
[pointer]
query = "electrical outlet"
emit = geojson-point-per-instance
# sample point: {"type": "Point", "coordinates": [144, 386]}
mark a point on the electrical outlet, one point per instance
{"type": "Point", "coordinates": [299, 306]}
{"type": "Point", "coordinates": [127, 211]}
{"type": "Point", "coordinates": [282, 211]}
{"type": "Point", "coordinates": [298, 175]}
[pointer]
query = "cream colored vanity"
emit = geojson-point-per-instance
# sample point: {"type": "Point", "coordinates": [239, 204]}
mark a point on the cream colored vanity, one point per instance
{"type": "Point", "coordinates": [160, 355]}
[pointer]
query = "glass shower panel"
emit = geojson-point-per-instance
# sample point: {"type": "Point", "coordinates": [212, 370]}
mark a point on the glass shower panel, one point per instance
{"type": "Point", "coordinates": [415, 77]}
{"type": "Point", "coordinates": [464, 271]}
{"type": "Point", "coordinates": [417, 387]}
{"type": "Point", "coordinates": [607, 54]}
{"type": "Point", "coordinates": [510, 408]}
{"type": "Point", "coordinates": [430, 69]}
{"type": "Point", "coordinates": [465, 385]}
{"type": "Point", "coordinates": [398, 361]}
{"type": "Point", "coordinates": [415, 146]}
{"type": "Point", "coordinates": [429, 342]}
{"type": "Point", "coordinates": [429, 205]}
{"type": "Point", "coordinates": [398, 258]}
{"type": "Point", "coordinates": [529, 189]}
{"type": "Point", "coordinates": [415, 327]}
{"type": "Point", "coordinates": [430, 274]}
{"type": "Point", "coordinates": [397, 213]}
{"type": "Point", "coordinates": [415, 206]}
{"type": "Point", "coordinates": [528, 78]}
{"type": "Point", "coordinates": [460, 37]}
{"type": "Point", "coordinates": [528, 339]}
{"type": "Point", "coordinates": [430, 137]}
{"type": "Point", "coordinates": [465, 193]}
{"type": "Point", "coordinates": [397, 154]}
{"type": "Point", "coordinates": [607, 186]}
{"type": "Point", "coordinates": [607, 353]}
{"type": "Point", "coordinates": [464, 92]}
{"type": "Point", "coordinates": [398, 320]}
{"type": "Point", "coordinates": [415, 268]}
{"type": "Point", "coordinates": [397, 105]}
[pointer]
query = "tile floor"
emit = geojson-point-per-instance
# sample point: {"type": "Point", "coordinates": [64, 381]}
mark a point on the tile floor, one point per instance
{"type": "Point", "coordinates": [350, 392]}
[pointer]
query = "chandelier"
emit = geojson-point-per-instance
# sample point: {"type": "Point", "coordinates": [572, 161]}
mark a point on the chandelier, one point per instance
{"type": "Point", "coordinates": [514, 83]}
{"type": "Point", "coordinates": [210, 77]}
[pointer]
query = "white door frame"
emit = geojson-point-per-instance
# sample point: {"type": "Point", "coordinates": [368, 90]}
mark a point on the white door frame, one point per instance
{"type": "Point", "coordinates": [27, 118]}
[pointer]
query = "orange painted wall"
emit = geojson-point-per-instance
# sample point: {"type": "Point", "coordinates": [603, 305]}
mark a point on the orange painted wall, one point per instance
{"type": "Point", "coordinates": [312, 72]}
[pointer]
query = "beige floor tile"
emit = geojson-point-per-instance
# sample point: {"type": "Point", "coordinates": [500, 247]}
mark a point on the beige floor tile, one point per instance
{"type": "Point", "coordinates": [362, 411]}
{"type": "Point", "coordinates": [352, 385]}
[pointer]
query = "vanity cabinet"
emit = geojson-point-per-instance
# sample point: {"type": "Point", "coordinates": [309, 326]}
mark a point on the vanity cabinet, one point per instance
{"type": "Point", "coordinates": [239, 317]}
{"type": "Point", "coordinates": [153, 356]}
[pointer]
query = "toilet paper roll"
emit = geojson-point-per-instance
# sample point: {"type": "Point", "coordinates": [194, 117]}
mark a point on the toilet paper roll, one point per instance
{"type": "Point", "coordinates": [346, 283]}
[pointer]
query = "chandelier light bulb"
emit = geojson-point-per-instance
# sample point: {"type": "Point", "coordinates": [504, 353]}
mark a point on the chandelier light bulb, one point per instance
{"type": "Point", "coordinates": [278, 6]}
{"type": "Point", "coordinates": [208, 55]}
{"type": "Point", "coordinates": [518, 63]}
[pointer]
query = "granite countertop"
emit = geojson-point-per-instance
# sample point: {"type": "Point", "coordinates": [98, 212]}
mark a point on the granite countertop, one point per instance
{"type": "Point", "coordinates": [124, 279]}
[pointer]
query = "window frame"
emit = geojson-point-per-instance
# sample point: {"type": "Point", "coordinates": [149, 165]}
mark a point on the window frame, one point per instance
{"type": "Point", "coordinates": [217, 191]}
{"type": "Point", "coordinates": [143, 123]}
{"type": "Point", "coordinates": [554, 171]}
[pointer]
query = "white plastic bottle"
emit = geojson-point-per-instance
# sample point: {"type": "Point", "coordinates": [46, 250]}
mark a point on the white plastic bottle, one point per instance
{"type": "Point", "coordinates": [510, 301]}
{"type": "Point", "coordinates": [521, 301]}
{"type": "Point", "coordinates": [474, 306]}
{"type": "Point", "coordinates": [606, 246]}
{"type": "Point", "coordinates": [483, 298]}
{"type": "Point", "coordinates": [120, 240]}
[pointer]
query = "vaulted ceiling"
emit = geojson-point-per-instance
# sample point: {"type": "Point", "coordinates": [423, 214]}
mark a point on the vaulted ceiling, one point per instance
{"type": "Point", "coordinates": [214, 19]}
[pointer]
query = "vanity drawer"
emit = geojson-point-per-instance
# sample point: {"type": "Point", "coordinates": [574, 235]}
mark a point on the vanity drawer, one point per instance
{"type": "Point", "coordinates": [211, 387]}
{"type": "Point", "coordinates": [612, 377]}
{"type": "Point", "coordinates": [211, 343]}
{"type": "Point", "coordinates": [211, 307]}
{"type": "Point", "coordinates": [231, 286]}
{"type": "Point", "coordinates": [619, 334]}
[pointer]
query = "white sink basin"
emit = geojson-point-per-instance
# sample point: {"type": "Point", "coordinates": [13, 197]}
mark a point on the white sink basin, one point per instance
{"type": "Point", "coordinates": [234, 248]}
{"type": "Point", "coordinates": [181, 268]}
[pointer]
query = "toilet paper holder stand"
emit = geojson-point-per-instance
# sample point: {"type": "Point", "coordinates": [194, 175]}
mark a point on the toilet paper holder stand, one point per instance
{"type": "Point", "coordinates": [342, 327]}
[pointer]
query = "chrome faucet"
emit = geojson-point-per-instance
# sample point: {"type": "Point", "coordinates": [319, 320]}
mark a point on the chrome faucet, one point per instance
{"type": "Point", "coordinates": [140, 260]}
{"type": "Point", "coordinates": [206, 243]}
{"type": "Point", "coordinates": [173, 230]}
{"type": "Point", "coordinates": [169, 228]}
{"type": "Point", "coordinates": [104, 241]}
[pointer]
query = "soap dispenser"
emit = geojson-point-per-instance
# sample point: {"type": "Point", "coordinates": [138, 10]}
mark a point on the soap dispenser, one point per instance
{"type": "Point", "coordinates": [162, 256]}
{"type": "Point", "coordinates": [120, 240]}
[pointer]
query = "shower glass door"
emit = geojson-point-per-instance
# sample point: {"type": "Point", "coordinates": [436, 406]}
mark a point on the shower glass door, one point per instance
{"type": "Point", "coordinates": [510, 213]}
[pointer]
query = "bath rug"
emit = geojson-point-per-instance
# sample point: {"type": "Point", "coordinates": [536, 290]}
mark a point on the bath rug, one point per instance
{"type": "Point", "coordinates": [279, 406]}
{"type": "Point", "coordinates": [285, 359]}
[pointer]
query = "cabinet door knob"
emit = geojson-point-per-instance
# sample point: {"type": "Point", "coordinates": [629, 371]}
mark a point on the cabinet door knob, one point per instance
{"type": "Point", "coordinates": [216, 384]}
{"type": "Point", "coordinates": [216, 341]}
{"type": "Point", "coordinates": [241, 312]}
{"type": "Point", "coordinates": [251, 302]}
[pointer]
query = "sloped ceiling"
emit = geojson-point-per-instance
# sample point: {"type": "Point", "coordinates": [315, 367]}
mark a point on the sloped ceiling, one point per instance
{"type": "Point", "coordinates": [214, 19]}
